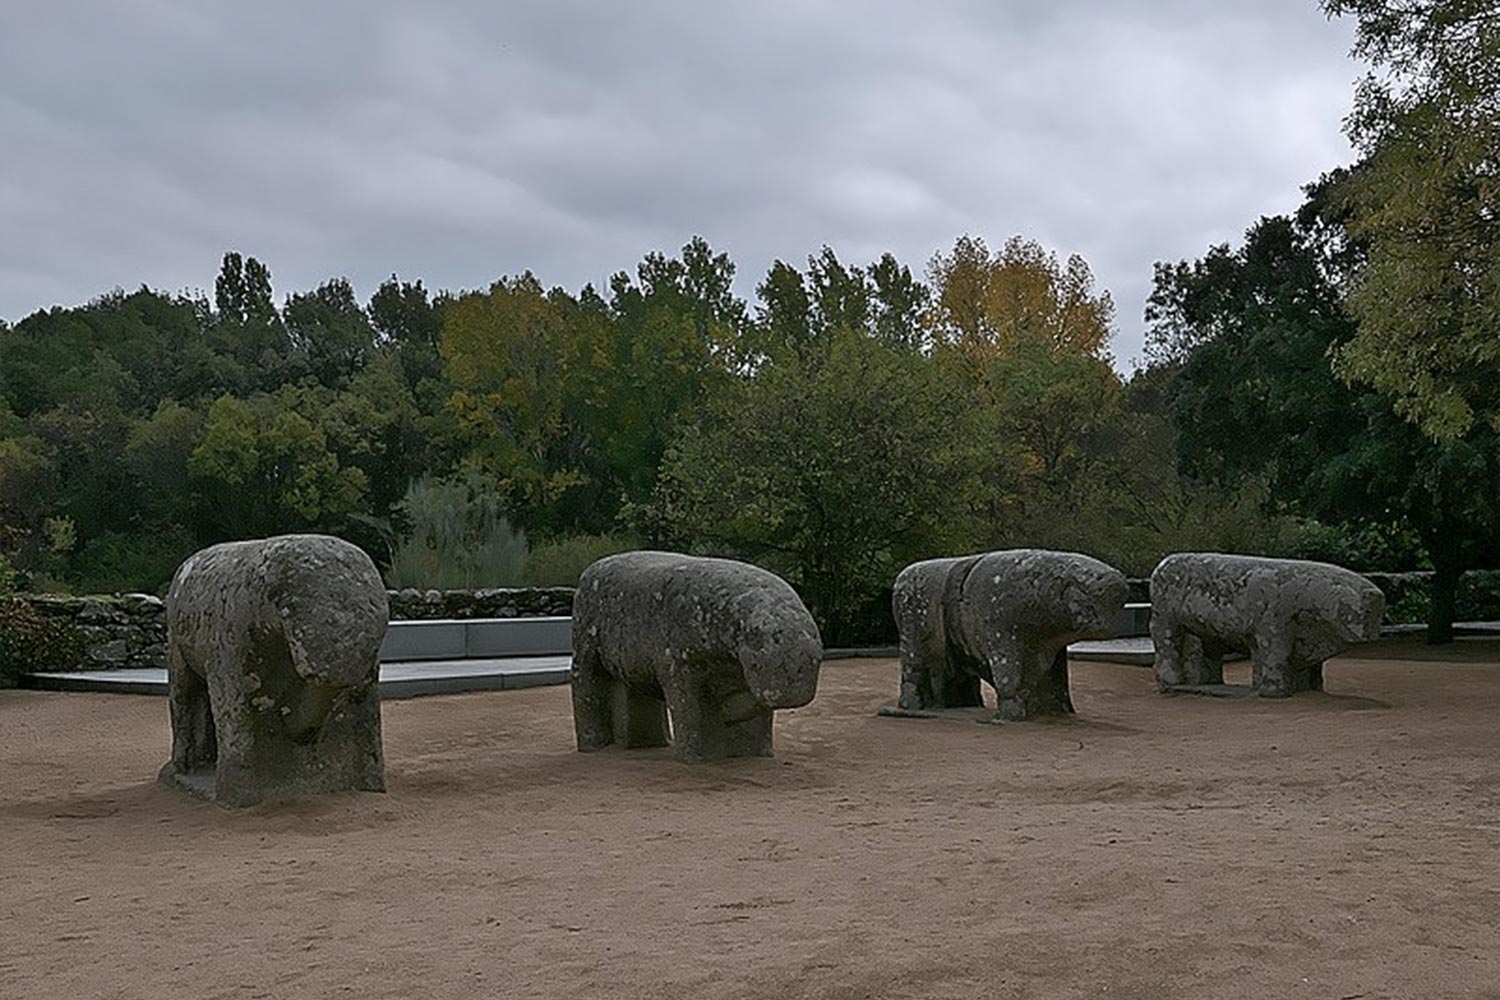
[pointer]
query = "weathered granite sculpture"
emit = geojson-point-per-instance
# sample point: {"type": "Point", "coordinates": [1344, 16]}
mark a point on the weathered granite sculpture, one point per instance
{"type": "Point", "coordinates": [1004, 618]}
{"type": "Point", "coordinates": [274, 658]}
{"type": "Point", "coordinates": [1288, 615]}
{"type": "Point", "coordinates": [719, 644]}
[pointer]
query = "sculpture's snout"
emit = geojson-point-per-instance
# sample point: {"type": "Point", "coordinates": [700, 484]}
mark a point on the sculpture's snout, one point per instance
{"type": "Point", "coordinates": [785, 674]}
{"type": "Point", "coordinates": [306, 714]}
{"type": "Point", "coordinates": [1096, 603]}
{"type": "Point", "coordinates": [332, 657]}
{"type": "Point", "coordinates": [1369, 614]}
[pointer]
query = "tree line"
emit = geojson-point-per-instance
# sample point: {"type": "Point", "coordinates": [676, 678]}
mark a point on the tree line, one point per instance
{"type": "Point", "coordinates": [1325, 389]}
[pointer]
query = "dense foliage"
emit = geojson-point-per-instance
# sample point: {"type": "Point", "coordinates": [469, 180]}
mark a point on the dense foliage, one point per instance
{"type": "Point", "coordinates": [1425, 201]}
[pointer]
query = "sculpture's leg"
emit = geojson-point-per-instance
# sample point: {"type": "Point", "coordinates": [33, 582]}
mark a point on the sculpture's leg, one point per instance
{"type": "Point", "coordinates": [194, 745]}
{"type": "Point", "coordinates": [1007, 668]}
{"type": "Point", "coordinates": [1051, 694]}
{"type": "Point", "coordinates": [1212, 668]}
{"type": "Point", "coordinates": [235, 779]}
{"type": "Point", "coordinates": [637, 719]}
{"type": "Point", "coordinates": [1031, 679]}
{"type": "Point", "coordinates": [750, 737]}
{"type": "Point", "coordinates": [1304, 676]}
{"type": "Point", "coordinates": [1201, 663]}
{"type": "Point", "coordinates": [924, 666]}
{"type": "Point", "coordinates": [357, 731]}
{"type": "Point", "coordinates": [592, 688]}
{"type": "Point", "coordinates": [1271, 667]}
{"type": "Point", "coordinates": [694, 739]}
{"type": "Point", "coordinates": [1167, 643]}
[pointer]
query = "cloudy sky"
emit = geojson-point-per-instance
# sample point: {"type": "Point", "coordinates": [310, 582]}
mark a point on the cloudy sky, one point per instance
{"type": "Point", "coordinates": [458, 140]}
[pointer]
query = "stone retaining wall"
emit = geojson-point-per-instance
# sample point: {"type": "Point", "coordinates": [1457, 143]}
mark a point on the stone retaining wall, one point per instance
{"type": "Point", "coordinates": [123, 630]}
{"type": "Point", "coordinates": [519, 602]}
{"type": "Point", "coordinates": [130, 630]}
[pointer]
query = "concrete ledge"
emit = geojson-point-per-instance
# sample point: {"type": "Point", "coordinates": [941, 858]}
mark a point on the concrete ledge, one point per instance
{"type": "Point", "coordinates": [1134, 650]}
{"type": "Point", "coordinates": [519, 637]}
{"type": "Point", "coordinates": [434, 640]}
{"type": "Point", "coordinates": [397, 680]}
{"type": "Point", "coordinates": [479, 638]}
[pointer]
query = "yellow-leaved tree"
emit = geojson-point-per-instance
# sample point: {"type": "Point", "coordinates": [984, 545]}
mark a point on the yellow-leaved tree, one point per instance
{"type": "Point", "coordinates": [986, 303]}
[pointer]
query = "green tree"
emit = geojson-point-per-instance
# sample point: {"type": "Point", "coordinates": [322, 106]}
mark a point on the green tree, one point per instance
{"type": "Point", "coordinates": [513, 357]}
{"type": "Point", "coordinates": [330, 334]}
{"type": "Point", "coordinates": [261, 468]}
{"type": "Point", "coordinates": [664, 346]}
{"type": "Point", "coordinates": [796, 313]}
{"type": "Point", "coordinates": [835, 470]}
{"type": "Point", "coordinates": [898, 302]}
{"type": "Point", "coordinates": [984, 303]}
{"type": "Point", "coordinates": [784, 322]}
{"type": "Point", "coordinates": [1425, 202]}
{"type": "Point", "coordinates": [406, 320]}
{"type": "Point", "coordinates": [246, 326]}
{"type": "Point", "coordinates": [1055, 423]}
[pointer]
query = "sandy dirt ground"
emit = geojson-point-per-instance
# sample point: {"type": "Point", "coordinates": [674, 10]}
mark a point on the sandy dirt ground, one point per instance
{"type": "Point", "coordinates": [1340, 845]}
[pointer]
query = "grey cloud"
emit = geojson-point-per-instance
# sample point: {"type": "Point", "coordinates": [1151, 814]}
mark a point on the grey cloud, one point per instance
{"type": "Point", "coordinates": [458, 141]}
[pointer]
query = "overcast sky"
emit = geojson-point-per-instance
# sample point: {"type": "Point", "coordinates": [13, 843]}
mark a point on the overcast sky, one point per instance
{"type": "Point", "coordinates": [459, 140]}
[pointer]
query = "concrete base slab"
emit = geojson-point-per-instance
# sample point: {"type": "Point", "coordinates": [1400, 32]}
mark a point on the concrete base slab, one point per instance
{"type": "Point", "coordinates": [397, 680]}
{"type": "Point", "coordinates": [1134, 650]}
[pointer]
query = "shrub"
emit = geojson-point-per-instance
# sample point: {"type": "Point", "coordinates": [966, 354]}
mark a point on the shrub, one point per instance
{"type": "Point", "coordinates": [1411, 606]}
{"type": "Point", "coordinates": [116, 562]}
{"type": "Point", "coordinates": [30, 641]}
{"type": "Point", "coordinates": [455, 539]}
{"type": "Point", "coordinates": [559, 563]}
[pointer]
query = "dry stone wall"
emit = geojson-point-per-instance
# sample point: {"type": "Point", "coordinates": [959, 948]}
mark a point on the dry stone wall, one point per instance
{"type": "Point", "coordinates": [130, 630]}
{"type": "Point", "coordinates": [125, 630]}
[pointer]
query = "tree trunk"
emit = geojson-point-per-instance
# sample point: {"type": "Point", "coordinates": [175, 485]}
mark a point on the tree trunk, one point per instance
{"type": "Point", "coordinates": [1443, 596]}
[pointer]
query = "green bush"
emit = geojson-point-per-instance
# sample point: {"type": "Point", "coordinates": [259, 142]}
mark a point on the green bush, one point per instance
{"type": "Point", "coordinates": [455, 539]}
{"type": "Point", "coordinates": [1412, 606]}
{"type": "Point", "coordinates": [559, 563]}
{"type": "Point", "coordinates": [116, 562]}
{"type": "Point", "coordinates": [30, 641]}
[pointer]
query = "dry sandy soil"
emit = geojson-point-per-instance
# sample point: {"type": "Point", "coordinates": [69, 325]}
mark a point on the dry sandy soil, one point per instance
{"type": "Point", "coordinates": [1342, 845]}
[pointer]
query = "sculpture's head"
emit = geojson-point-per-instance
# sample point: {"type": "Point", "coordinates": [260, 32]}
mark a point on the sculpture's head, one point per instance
{"type": "Point", "coordinates": [1360, 610]}
{"type": "Point", "coordinates": [333, 608]}
{"type": "Point", "coordinates": [784, 673]}
{"type": "Point", "coordinates": [1093, 596]}
{"type": "Point", "coordinates": [780, 653]}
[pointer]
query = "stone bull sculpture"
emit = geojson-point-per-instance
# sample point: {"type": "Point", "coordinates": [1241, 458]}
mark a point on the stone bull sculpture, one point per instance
{"type": "Point", "coordinates": [717, 644]}
{"type": "Point", "coordinates": [274, 658]}
{"type": "Point", "coordinates": [1004, 618]}
{"type": "Point", "coordinates": [1288, 615]}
